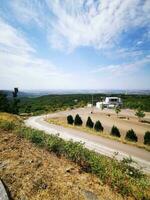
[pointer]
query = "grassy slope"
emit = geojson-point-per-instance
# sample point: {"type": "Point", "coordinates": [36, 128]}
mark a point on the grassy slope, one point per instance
{"type": "Point", "coordinates": [119, 176]}
{"type": "Point", "coordinates": [32, 173]}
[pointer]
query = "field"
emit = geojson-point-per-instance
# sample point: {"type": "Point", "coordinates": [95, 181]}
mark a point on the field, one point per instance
{"type": "Point", "coordinates": [125, 121]}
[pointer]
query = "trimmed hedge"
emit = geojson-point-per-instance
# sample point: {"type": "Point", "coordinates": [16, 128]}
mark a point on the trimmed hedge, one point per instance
{"type": "Point", "coordinates": [70, 119]}
{"type": "Point", "coordinates": [78, 121]}
{"type": "Point", "coordinates": [147, 138]}
{"type": "Point", "coordinates": [89, 123]}
{"type": "Point", "coordinates": [98, 126]}
{"type": "Point", "coordinates": [115, 131]}
{"type": "Point", "coordinates": [131, 136]}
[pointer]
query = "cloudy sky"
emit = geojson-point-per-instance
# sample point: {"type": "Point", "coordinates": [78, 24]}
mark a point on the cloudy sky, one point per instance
{"type": "Point", "coordinates": [75, 44]}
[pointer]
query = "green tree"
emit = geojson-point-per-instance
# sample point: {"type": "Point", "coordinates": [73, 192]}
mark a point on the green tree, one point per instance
{"type": "Point", "coordinates": [89, 123]}
{"type": "Point", "coordinates": [16, 101]}
{"type": "Point", "coordinates": [117, 110]}
{"type": "Point", "coordinates": [147, 138]}
{"type": "Point", "coordinates": [98, 126]}
{"type": "Point", "coordinates": [140, 114]}
{"type": "Point", "coordinates": [131, 136]}
{"type": "Point", "coordinates": [78, 121]}
{"type": "Point", "coordinates": [115, 131]}
{"type": "Point", "coordinates": [4, 103]}
{"type": "Point", "coordinates": [70, 119]}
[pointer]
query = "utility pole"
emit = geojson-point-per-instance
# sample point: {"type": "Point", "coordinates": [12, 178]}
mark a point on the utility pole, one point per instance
{"type": "Point", "coordinates": [92, 104]}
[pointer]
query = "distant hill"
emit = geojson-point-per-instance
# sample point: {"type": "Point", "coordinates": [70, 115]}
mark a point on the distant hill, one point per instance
{"type": "Point", "coordinates": [20, 94]}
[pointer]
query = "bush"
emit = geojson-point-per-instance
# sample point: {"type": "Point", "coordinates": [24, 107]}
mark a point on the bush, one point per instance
{"type": "Point", "coordinates": [78, 121]}
{"type": "Point", "coordinates": [37, 138]}
{"type": "Point", "coordinates": [147, 138]}
{"type": "Point", "coordinates": [131, 136]}
{"type": "Point", "coordinates": [89, 123]}
{"type": "Point", "coordinates": [98, 126]}
{"type": "Point", "coordinates": [70, 119]}
{"type": "Point", "coordinates": [7, 126]}
{"type": "Point", "coordinates": [115, 131]}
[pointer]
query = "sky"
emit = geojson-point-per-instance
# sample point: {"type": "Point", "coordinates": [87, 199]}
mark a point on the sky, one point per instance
{"type": "Point", "coordinates": [74, 44]}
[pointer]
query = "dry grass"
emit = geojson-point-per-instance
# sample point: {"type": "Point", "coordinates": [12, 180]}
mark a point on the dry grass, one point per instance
{"type": "Point", "coordinates": [33, 173]}
{"type": "Point", "coordinates": [61, 121]}
{"type": "Point", "coordinates": [9, 117]}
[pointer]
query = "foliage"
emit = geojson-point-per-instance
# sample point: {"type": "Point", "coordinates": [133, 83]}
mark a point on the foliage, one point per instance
{"type": "Point", "coordinates": [15, 102]}
{"type": "Point", "coordinates": [119, 175]}
{"type": "Point", "coordinates": [4, 103]}
{"type": "Point", "coordinates": [6, 125]}
{"type": "Point", "coordinates": [89, 123]}
{"type": "Point", "coordinates": [140, 114]}
{"type": "Point", "coordinates": [78, 121]}
{"type": "Point", "coordinates": [70, 119]}
{"type": "Point", "coordinates": [98, 126]}
{"type": "Point", "coordinates": [115, 131]}
{"type": "Point", "coordinates": [131, 136]}
{"type": "Point", "coordinates": [117, 110]}
{"type": "Point", "coordinates": [147, 138]}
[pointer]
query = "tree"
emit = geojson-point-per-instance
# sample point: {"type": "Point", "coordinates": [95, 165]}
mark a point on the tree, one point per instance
{"type": "Point", "coordinates": [115, 131]}
{"type": "Point", "coordinates": [147, 138]}
{"type": "Point", "coordinates": [140, 114]}
{"type": "Point", "coordinates": [89, 123]}
{"type": "Point", "coordinates": [28, 109]}
{"type": "Point", "coordinates": [16, 101]}
{"type": "Point", "coordinates": [70, 119]}
{"type": "Point", "coordinates": [117, 110]}
{"type": "Point", "coordinates": [78, 121]}
{"type": "Point", "coordinates": [98, 126]}
{"type": "Point", "coordinates": [4, 103]}
{"type": "Point", "coordinates": [131, 136]}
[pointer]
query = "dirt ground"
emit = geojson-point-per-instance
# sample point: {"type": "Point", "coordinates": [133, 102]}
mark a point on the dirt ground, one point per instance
{"type": "Point", "coordinates": [31, 173]}
{"type": "Point", "coordinates": [126, 119]}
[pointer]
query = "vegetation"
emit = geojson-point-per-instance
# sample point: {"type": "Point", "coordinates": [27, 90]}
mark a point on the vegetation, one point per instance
{"type": "Point", "coordinates": [117, 110]}
{"type": "Point", "coordinates": [52, 103]}
{"type": "Point", "coordinates": [131, 136]}
{"type": "Point", "coordinates": [78, 121]}
{"type": "Point", "coordinates": [140, 114]}
{"type": "Point", "coordinates": [147, 138]}
{"type": "Point", "coordinates": [98, 126]}
{"type": "Point", "coordinates": [121, 176]}
{"type": "Point", "coordinates": [70, 119]}
{"type": "Point", "coordinates": [115, 131]}
{"type": "Point", "coordinates": [89, 123]}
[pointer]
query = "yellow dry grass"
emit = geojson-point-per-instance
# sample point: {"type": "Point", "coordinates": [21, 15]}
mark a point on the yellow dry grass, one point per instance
{"type": "Point", "coordinates": [33, 173]}
{"type": "Point", "coordinates": [9, 117]}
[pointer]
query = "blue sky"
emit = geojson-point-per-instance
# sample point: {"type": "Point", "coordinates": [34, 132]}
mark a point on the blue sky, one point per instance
{"type": "Point", "coordinates": [75, 44]}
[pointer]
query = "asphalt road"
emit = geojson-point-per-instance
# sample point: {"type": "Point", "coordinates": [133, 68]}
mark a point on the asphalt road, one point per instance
{"type": "Point", "coordinates": [99, 144]}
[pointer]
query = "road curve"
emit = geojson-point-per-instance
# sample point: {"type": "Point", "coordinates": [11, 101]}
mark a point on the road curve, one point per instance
{"type": "Point", "coordinates": [97, 143]}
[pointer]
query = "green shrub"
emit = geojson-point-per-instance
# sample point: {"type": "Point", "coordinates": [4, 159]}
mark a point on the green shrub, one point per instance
{"type": "Point", "coordinates": [6, 125]}
{"type": "Point", "coordinates": [89, 123]}
{"type": "Point", "coordinates": [115, 131]}
{"type": "Point", "coordinates": [70, 119]}
{"type": "Point", "coordinates": [98, 126]}
{"type": "Point", "coordinates": [120, 176]}
{"type": "Point", "coordinates": [78, 121]}
{"type": "Point", "coordinates": [131, 136]}
{"type": "Point", "coordinates": [147, 138]}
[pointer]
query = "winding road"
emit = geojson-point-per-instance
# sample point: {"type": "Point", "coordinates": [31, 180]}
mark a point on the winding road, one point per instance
{"type": "Point", "coordinates": [97, 143]}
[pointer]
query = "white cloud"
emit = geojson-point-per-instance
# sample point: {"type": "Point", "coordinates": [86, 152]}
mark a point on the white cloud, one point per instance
{"type": "Point", "coordinates": [73, 23]}
{"type": "Point", "coordinates": [20, 66]}
{"type": "Point", "coordinates": [96, 23]}
{"type": "Point", "coordinates": [123, 69]}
